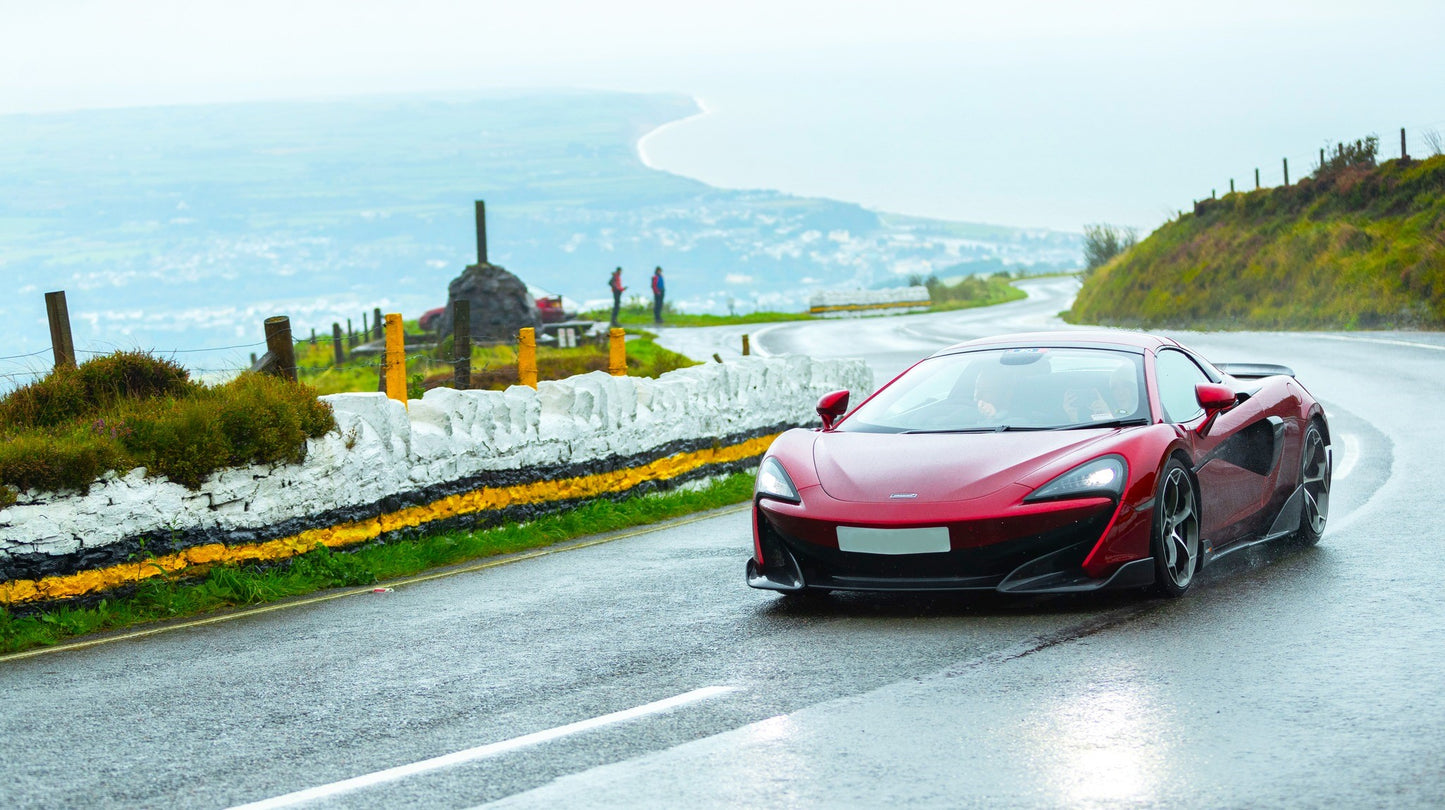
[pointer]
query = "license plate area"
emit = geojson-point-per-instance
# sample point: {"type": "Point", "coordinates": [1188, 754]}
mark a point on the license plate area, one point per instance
{"type": "Point", "coordinates": [861, 540]}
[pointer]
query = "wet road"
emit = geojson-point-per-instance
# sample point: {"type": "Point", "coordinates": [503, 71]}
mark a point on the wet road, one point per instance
{"type": "Point", "coordinates": [1293, 679]}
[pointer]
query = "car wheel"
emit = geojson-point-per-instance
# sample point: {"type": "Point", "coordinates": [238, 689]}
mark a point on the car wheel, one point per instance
{"type": "Point", "coordinates": [1175, 543]}
{"type": "Point", "coordinates": [1315, 479]}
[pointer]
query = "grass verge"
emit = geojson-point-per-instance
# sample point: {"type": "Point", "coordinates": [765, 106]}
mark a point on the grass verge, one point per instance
{"type": "Point", "coordinates": [226, 587]}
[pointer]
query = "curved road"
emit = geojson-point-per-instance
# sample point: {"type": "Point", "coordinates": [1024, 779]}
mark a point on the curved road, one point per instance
{"type": "Point", "coordinates": [640, 671]}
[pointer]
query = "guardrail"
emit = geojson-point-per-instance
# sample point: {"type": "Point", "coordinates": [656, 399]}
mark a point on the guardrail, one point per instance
{"type": "Point", "coordinates": [853, 303]}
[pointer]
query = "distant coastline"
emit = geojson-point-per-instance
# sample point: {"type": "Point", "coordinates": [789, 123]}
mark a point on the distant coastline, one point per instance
{"type": "Point", "coordinates": [702, 110]}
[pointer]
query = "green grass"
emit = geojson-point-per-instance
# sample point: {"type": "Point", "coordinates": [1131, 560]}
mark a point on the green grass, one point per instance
{"type": "Point", "coordinates": [493, 367]}
{"type": "Point", "coordinates": [226, 587]}
{"type": "Point", "coordinates": [1360, 248]}
{"type": "Point", "coordinates": [637, 313]}
{"type": "Point", "coordinates": [964, 293]}
{"type": "Point", "coordinates": [971, 291]}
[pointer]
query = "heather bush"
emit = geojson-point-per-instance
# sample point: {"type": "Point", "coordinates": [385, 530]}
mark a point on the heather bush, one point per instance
{"type": "Point", "coordinates": [129, 410]}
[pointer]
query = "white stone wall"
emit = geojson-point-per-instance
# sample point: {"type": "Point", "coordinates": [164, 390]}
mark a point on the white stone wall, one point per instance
{"type": "Point", "coordinates": [852, 303]}
{"type": "Point", "coordinates": [382, 448]}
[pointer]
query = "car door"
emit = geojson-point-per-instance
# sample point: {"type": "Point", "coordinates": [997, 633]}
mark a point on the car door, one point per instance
{"type": "Point", "coordinates": [1230, 482]}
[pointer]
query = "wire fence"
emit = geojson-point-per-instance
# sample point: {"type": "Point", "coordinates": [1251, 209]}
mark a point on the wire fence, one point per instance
{"type": "Point", "coordinates": [358, 353]}
{"type": "Point", "coordinates": [1421, 140]}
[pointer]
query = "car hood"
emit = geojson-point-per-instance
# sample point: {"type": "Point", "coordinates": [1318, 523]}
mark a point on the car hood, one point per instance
{"type": "Point", "coordinates": [934, 467]}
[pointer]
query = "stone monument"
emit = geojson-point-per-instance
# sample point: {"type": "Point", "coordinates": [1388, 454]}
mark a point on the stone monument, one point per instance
{"type": "Point", "coordinates": [499, 300]}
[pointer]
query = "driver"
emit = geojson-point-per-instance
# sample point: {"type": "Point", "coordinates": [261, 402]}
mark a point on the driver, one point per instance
{"type": "Point", "coordinates": [993, 392]}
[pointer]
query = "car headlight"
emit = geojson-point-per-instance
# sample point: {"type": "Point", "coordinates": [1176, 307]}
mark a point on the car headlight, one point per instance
{"type": "Point", "coordinates": [1098, 478]}
{"type": "Point", "coordinates": [773, 482]}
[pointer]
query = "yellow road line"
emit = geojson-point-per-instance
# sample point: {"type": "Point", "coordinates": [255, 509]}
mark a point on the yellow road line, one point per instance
{"type": "Point", "coordinates": [413, 580]}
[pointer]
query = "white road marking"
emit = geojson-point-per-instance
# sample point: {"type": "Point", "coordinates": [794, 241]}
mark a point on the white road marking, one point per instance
{"type": "Point", "coordinates": [1344, 460]}
{"type": "Point", "coordinates": [486, 751]}
{"type": "Point", "coordinates": [1384, 341]}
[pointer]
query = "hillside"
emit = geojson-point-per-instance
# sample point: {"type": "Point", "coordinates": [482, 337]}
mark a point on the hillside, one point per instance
{"type": "Point", "coordinates": [1356, 249]}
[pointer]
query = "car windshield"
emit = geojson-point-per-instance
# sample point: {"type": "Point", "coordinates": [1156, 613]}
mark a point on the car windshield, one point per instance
{"type": "Point", "coordinates": [1009, 389]}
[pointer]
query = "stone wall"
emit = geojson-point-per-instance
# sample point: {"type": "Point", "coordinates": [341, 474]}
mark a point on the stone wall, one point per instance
{"type": "Point", "coordinates": [453, 458]}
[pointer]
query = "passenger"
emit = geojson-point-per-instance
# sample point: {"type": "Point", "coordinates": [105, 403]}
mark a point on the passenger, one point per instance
{"type": "Point", "coordinates": [1123, 398]}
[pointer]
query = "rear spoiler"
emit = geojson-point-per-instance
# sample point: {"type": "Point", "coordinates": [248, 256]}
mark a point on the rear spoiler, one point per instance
{"type": "Point", "coordinates": [1254, 371]}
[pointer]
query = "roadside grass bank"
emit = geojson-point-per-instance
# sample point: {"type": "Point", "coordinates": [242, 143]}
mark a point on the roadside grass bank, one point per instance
{"type": "Point", "coordinates": [971, 291]}
{"type": "Point", "coordinates": [226, 587]}
{"type": "Point", "coordinates": [1355, 246]}
{"type": "Point", "coordinates": [636, 313]}
{"type": "Point", "coordinates": [963, 293]}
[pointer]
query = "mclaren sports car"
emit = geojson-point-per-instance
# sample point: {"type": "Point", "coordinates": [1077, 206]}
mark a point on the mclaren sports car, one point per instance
{"type": "Point", "coordinates": [1036, 463]}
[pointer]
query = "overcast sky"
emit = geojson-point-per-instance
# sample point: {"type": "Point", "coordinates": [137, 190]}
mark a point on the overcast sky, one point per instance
{"type": "Point", "coordinates": [1051, 114]}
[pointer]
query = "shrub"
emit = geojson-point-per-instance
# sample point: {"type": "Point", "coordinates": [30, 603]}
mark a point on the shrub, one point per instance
{"type": "Point", "coordinates": [1360, 154]}
{"type": "Point", "coordinates": [51, 462]}
{"type": "Point", "coordinates": [1103, 242]}
{"type": "Point", "coordinates": [131, 410]}
{"type": "Point", "coordinates": [66, 394]}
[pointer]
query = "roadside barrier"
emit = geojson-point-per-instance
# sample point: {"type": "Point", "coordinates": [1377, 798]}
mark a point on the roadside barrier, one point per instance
{"type": "Point", "coordinates": [454, 459]}
{"type": "Point", "coordinates": [852, 303]}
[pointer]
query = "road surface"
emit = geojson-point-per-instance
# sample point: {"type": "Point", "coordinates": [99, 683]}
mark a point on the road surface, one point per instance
{"type": "Point", "coordinates": [641, 671]}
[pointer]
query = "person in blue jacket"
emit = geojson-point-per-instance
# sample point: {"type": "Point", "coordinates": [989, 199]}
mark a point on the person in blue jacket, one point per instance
{"type": "Point", "coordinates": [659, 288]}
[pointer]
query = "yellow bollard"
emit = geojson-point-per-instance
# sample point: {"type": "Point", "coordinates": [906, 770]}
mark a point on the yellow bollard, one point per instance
{"type": "Point", "coordinates": [395, 359]}
{"type": "Point", "coordinates": [527, 356]}
{"type": "Point", "coordinates": [617, 352]}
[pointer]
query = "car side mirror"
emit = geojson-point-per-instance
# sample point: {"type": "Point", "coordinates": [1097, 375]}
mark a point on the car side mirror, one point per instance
{"type": "Point", "coordinates": [831, 407]}
{"type": "Point", "coordinates": [1214, 399]}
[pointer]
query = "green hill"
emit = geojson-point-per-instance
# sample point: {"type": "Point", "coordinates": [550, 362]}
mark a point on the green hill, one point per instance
{"type": "Point", "coordinates": [1358, 248]}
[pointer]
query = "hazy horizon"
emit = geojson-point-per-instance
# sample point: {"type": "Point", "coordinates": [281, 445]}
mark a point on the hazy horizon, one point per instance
{"type": "Point", "coordinates": [1031, 115]}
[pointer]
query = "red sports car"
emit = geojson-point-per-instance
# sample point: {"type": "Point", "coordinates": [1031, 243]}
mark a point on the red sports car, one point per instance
{"type": "Point", "coordinates": [1050, 462]}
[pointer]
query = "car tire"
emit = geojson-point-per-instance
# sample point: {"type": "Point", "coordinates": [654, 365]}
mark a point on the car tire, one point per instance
{"type": "Point", "coordinates": [1174, 541]}
{"type": "Point", "coordinates": [1315, 475]}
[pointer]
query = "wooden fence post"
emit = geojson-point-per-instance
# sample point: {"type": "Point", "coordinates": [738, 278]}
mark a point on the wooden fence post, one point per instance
{"type": "Point", "coordinates": [1256, 178]}
{"type": "Point", "coordinates": [337, 350]}
{"type": "Point", "coordinates": [1286, 171]}
{"type": "Point", "coordinates": [376, 323]}
{"type": "Point", "coordinates": [280, 346]}
{"type": "Point", "coordinates": [461, 344]}
{"type": "Point", "coordinates": [1404, 155]}
{"type": "Point", "coordinates": [350, 335]}
{"type": "Point", "coordinates": [395, 364]}
{"type": "Point", "coordinates": [747, 346]}
{"type": "Point", "coordinates": [1231, 185]}
{"type": "Point", "coordinates": [527, 356]}
{"type": "Point", "coordinates": [365, 325]}
{"type": "Point", "coordinates": [1322, 159]}
{"type": "Point", "coordinates": [617, 352]}
{"type": "Point", "coordinates": [61, 343]}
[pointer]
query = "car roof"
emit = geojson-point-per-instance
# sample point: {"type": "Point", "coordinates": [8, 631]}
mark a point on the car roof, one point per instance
{"type": "Point", "coordinates": [1118, 340]}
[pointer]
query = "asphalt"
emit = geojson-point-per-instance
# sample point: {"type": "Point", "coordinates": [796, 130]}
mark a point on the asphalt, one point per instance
{"type": "Point", "coordinates": [1285, 678]}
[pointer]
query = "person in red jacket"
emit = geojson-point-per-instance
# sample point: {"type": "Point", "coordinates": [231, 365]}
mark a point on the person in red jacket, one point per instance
{"type": "Point", "coordinates": [617, 288]}
{"type": "Point", "coordinates": [658, 290]}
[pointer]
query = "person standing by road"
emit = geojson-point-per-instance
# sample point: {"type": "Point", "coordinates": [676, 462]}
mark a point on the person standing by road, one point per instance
{"type": "Point", "coordinates": [617, 288]}
{"type": "Point", "coordinates": [659, 288]}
